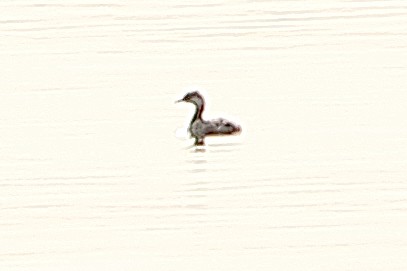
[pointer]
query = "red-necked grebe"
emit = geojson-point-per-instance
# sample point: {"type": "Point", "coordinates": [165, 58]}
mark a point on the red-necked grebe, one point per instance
{"type": "Point", "coordinates": [200, 128]}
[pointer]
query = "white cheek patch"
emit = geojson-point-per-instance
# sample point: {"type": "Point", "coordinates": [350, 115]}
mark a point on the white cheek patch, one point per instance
{"type": "Point", "coordinates": [197, 101]}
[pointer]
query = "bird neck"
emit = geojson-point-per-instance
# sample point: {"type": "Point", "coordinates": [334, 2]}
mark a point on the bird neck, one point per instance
{"type": "Point", "coordinates": [199, 107]}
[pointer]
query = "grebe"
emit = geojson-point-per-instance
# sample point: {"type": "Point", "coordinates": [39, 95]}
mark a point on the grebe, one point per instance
{"type": "Point", "coordinates": [200, 128]}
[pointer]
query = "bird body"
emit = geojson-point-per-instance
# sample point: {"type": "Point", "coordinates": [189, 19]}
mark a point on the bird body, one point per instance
{"type": "Point", "coordinates": [200, 128]}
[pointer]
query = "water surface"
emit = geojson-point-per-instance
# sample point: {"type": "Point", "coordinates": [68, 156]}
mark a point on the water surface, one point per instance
{"type": "Point", "coordinates": [93, 176]}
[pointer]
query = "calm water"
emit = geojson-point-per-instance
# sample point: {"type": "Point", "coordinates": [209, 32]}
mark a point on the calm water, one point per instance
{"type": "Point", "coordinates": [94, 174]}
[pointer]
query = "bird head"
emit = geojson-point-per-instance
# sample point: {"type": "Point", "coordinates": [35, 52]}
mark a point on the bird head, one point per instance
{"type": "Point", "coordinates": [193, 97]}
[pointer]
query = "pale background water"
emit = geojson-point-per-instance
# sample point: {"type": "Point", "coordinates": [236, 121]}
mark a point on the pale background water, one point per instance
{"type": "Point", "coordinates": [93, 176]}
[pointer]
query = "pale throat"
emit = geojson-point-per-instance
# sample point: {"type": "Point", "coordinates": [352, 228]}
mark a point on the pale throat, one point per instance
{"type": "Point", "coordinates": [199, 103]}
